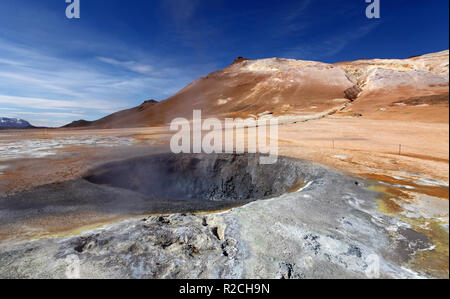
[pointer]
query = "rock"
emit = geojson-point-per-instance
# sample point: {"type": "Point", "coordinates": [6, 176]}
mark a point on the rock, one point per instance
{"type": "Point", "coordinates": [352, 93]}
{"type": "Point", "coordinates": [265, 113]}
{"type": "Point", "coordinates": [239, 60]}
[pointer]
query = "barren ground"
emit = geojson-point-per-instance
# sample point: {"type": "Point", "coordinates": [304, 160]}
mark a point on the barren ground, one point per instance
{"type": "Point", "coordinates": [407, 161]}
{"type": "Point", "coordinates": [357, 146]}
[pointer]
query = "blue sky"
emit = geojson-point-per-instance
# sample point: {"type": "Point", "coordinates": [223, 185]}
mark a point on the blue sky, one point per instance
{"type": "Point", "coordinates": [119, 53]}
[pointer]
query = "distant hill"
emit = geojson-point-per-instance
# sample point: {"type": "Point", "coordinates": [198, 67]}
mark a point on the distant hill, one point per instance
{"type": "Point", "coordinates": [14, 123]}
{"type": "Point", "coordinates": [78, 124]}
{"type": "Point", "coordinates": [114, 118]}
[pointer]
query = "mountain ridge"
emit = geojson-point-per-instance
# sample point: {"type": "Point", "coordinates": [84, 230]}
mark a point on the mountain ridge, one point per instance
{"type": "Point", "coordinates": [289, 88]}
{"type": "Point", "coordinates": [14, 123]}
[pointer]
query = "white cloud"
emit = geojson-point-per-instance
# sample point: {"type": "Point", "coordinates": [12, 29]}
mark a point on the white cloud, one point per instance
{"type": "Point", "coordinates": [55, 114]}
{"type": "Point", "coordinates": [297, 11]}
{"type": "Point", "coordinates": [181, 11]}
{"type": "Point", "coordinates": [326, 48]}
{"type": "Point", "coordinates": [45, 104]}
{"type": "Point", "coordinates": [33, 81]}
{"type": "Point", "coordinates": [130, 65]}
{"type": "Point", "coordinates": [9, 62]}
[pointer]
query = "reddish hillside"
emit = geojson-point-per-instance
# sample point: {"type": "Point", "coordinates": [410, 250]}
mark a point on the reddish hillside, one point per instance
{"type": "Point", "coordinates": [287, 88]}
{"type": "Point", "coordinates": [414, 89]}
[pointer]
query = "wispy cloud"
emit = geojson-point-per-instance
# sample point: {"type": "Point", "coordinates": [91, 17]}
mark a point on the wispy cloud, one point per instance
{"type": "Point", "coordinates": [46, 104]}
{"type": "Point", "coordinates": [30, 79]}
{"type": "Point", "coordinates": [130, 65]}
{"type": "Point", "coordinates": [55, 67]}
{"type": "Point", "coordinates": [181, 11]}
{"type": "Point", "coordinates": [325, 48]}
{"type": "Point", "coordinates": [297, 11]}
{"type": "Point", "coordinates": [54, 114]}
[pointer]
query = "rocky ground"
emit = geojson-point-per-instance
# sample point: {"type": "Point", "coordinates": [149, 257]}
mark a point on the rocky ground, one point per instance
{"type": "Point", "coordinates": [329, 227]}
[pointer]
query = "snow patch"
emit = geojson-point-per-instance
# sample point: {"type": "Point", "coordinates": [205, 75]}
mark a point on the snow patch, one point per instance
{"type": "Point", "coordinates": [49, 147]}
{"type": "Point", "coordinates": [340, 157]}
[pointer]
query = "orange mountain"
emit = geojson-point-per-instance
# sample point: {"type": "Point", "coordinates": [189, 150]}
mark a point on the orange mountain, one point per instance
{"type": "Point", "coordinates": [414, 89]}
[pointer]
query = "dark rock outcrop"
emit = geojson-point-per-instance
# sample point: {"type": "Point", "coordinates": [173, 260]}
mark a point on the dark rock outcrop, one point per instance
{"type": "Point", "coordinates": [352, 93]}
